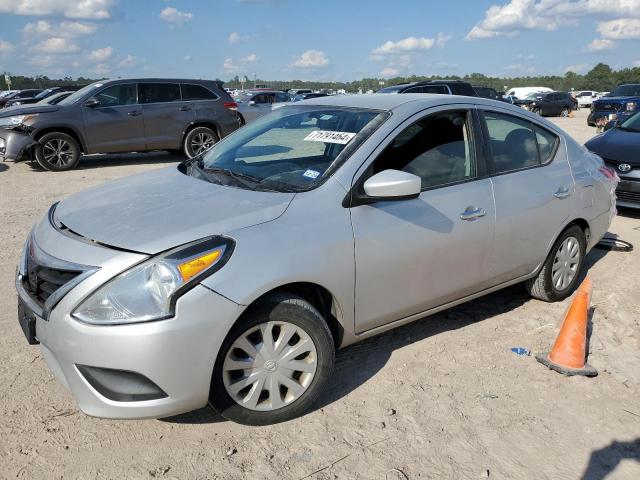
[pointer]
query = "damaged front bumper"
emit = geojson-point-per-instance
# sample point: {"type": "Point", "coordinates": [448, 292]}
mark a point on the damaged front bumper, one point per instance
{"type": "Point", "coordinates": [14, 144]}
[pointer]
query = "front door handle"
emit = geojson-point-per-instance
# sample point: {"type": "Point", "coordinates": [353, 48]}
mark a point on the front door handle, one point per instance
{"type": "Point", "coordinates": [563, 192]}
{"type": "Point", "coordinates": [472, 213]}
{"type": "Point", "coordinates": [135, 113]}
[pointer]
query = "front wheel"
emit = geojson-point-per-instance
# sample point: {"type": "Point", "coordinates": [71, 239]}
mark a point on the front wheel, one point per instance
{"type": "Point", "coordinates": [564, 112]}
{"type": "Point", "coordinates": [561, 271]}
{"type": "Point", "coordinates": [57, 151]}
{"type": "Point", "coordinates": [274, 363]}
{"type": "Point", "coordinates": [199, 140]}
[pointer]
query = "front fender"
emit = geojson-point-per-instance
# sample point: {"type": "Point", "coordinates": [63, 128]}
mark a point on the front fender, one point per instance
{"type": "Point", "coordinates": [15, 144]}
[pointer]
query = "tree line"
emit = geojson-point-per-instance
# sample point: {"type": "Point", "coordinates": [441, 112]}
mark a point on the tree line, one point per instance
{"type": "Point", "coordinates": [600, 78]}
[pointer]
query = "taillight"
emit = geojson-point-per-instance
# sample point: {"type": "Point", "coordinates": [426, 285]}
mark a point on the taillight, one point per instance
{"type": "Point", "coordinates": [608, 172]}
{"type": "Point", "coordinates": [230, 105]}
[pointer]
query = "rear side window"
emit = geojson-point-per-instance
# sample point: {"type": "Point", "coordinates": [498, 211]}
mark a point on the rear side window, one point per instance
{"type": "Point", "coordinates": [159, 92]}
{"type": "Point", "coordinates": [462, 89]}
{"type": "Point", "coordinates": [117, 95]}
{"type": "Point", "coordinates": [516, 143]}
{"type": "Point", "coordinates": [435, 89]}
{"type": "Point", "coordinates": [197, 92]}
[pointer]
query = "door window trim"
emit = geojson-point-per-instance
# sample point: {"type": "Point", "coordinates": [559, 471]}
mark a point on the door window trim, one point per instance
{"type": "Point", "coordinates": [355, 196]}
{"type": "Point", "coordinates": [491, 171]}
{"type": "Point", "coordinates": [194, 85]}
{"type": "Point", "coordinates": [160, 103]}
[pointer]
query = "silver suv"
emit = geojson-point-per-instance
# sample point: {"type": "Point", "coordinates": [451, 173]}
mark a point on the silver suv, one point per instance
{"type": "Point", "coordinates": [129, 115]}
{"type": "Point", "coordinates": [233, 277]}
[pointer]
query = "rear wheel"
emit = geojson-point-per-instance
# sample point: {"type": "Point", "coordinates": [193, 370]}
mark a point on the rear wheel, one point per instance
{"type": "Point", "coordinates": [199, 140]}
{"type": "Point", "coordinates": [57, 151]}
{"type": "Point", "coordinates": [274, 363]}
{"type": "Point", "coordinates": [564, 112]}
{"type": "Point", "coordinates": [561, 271]}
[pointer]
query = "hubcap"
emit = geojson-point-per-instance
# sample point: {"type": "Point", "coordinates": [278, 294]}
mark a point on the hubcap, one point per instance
{"type": "Point", "coordinates": [269, 366]}
{"type": "Point", "coordinates": [57, 152]}
{"type": "Point", "coordinates": [565, 263]}
{"type": "Point", "coordinates": [201, 142]}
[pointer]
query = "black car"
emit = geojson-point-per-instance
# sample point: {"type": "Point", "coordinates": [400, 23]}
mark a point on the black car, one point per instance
{"type": "Point", "coordinates": [620, 104]}
{"type": "Point", "coordinates": [445, 87]}
{"type": "Point", "coordinates": [307, 96]}
{"type": "Point", "coordinates": [41, 95]}
{"type": "Point", "coordinates": [28, 93]}
{"type": "Point", "coordinates": [549, 103]}
{"type": "Point", "coordinates": [620, 149]}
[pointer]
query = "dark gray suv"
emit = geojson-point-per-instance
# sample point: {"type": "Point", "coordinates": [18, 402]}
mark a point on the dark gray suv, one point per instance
{"type": "Point", "coordinates": [128, 115]}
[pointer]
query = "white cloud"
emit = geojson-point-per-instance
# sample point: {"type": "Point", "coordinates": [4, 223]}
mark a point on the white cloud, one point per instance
{"type": "Point", "coordinates": [56, 45]}
{"type": "Point", "coordinates": [66, 29]}
{"type": "Point", "coordinates": [388, 72]}
{"type": "Point", "coordinates": [250, 58]}
{"type": "Point", "coordinates": [128, 61]}
{"type": "Point", "coordinates": [310, 59]}
{"type": "Point", "coordinates": [620, 29]}
{"type": "Point", "coordinates": [187, 58]}
{"type": "Point", "coordinates": [229, 66]}
{"type": "Point", "coordinates": [174, 16]}
{"type": "Point", "coordinates": [579, 68]}
{"type": "Point", "coordinates": [101, 55]}
{"type": "Point", "coordinates": [519, 15]}
{"type": "Point", "coordinates": [235, 37]}
{"type": "Point", "coordinates": [410, 44]}
{"type": "Point", "coordinates": [43, 61]}
{"type": "Point", "coordinates": [520, 68]}
{"type": "Point", "coordinates": [6, 47]}
{"type": "Point", "coordinates": [84, 9]}
{"type": "Point", "coordinates": [600, 44]}
{"type": "Point", "coordinates": [636, 63]}
{"type": "Point", "coordinates": [102, 69]}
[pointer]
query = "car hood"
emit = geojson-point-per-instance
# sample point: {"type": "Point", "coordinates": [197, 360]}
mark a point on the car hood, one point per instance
{"type": "Point", "coordinates": [155, 211]}
{"type": "Point", "coordinates": [618, 145]}
{"type": "Point", "coordinates": [616, 99]}
{"type": "Point", "coordinates": [28, 109]}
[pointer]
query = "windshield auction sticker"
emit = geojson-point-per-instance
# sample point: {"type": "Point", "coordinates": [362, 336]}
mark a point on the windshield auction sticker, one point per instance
{"type": "Point", "coordinates": [328, 136]}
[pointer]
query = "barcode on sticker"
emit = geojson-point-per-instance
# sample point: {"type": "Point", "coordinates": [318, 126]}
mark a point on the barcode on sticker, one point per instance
{"type": "Point", "coordinates": [328, 136]}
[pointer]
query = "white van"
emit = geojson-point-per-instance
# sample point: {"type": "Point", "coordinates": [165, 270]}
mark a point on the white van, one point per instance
{"type": "Point", "coordinates": [521, 92]}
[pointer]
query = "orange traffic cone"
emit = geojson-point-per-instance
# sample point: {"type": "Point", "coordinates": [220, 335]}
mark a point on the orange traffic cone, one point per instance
{"type": "Point", "coordinates": [569, 351]}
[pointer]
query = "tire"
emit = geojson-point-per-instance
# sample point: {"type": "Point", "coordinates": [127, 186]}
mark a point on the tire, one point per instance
{"type": "Point", "coordinates": [57, 151]}
{"type": "Point", "coordinates": [564, 112]}
{"type": "Point", "coordinates": [198, 140]}
{"type": "Point", "coordinates": [536, 111]}
{"type": "Point", "coordinates": [542, 286]}
{"type": "Point", "coordinates": [279, 314]}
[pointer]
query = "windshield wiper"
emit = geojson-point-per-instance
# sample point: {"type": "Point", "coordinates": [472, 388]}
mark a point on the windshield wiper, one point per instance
{"type": "Point", "coordinates": [246, 180]}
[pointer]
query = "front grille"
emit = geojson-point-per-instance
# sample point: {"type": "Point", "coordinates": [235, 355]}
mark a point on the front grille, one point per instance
{"type": "Point", "coordinates": [628, 196]}
{"type": "Point", "coordinates": [614, 164]}
{"type": "Point", "coordinates": [42, 281]}
{"type": "Point", "coordinates": [608, 107]}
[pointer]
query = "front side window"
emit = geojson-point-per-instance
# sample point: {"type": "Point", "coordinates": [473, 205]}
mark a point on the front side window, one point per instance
{"type": "Point", "coordinates": [124, 94]}
{"type": "Point", "coordinates": [292, 149]}
{"type": "Point", "coordinates": [159, 92]}
{"type": "Point", "coordinates": [516, 143]}
{"type": "Point", "coordinates": [437, 148]}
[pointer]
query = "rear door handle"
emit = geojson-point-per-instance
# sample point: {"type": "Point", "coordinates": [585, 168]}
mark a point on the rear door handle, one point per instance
{"type": "Point", "coordinates": [185, 109]}
{"type": "Point", "coordinates": [135, 113]}
{"type": "Point", "coordinates": [471, 213]}
{"type": "Point", "coordinates": [563, 192]}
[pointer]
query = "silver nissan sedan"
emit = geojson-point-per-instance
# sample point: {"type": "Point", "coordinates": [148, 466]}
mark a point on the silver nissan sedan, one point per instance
{"type": "Point", "coordinates": [232, 278]}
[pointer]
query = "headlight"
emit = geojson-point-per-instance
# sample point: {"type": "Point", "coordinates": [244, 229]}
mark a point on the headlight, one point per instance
{"type": "Point", "coordinates": [149, 290]}
{"type": "Point", "coordinates": [631, 106]}
{"type": "Point", "coordinates": [15, 120]}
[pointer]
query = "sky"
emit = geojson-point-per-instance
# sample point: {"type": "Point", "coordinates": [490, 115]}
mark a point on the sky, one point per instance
{"type": "Point", "coordinates": [315, 39]}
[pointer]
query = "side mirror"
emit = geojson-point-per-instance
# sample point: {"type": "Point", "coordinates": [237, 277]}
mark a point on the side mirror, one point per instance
{"type": "Point", "coordinates": [92, 102]}
{"type": "Point", "coordinates": [393, 185]}
{"type": "Point", "coordinates": [252, 103]}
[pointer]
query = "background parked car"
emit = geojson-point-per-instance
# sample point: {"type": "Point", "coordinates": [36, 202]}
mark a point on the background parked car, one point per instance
{"type": "Point", "coordinates": [54, 99]}
{"type": "Point", "coordinates": [19, 94]}
{"type": "Point", "coordinates": [553, 103]}
{"type": "Point", "coordinates": [522, 92]}
{"type": "Point", "coordinates": [586, 97]}
{"type": "Point", "coordinates": [444, 87]}
{"type": "Point", "coordinates": [41, 95]}
{"type": "Point", "coordinates": [254, 104]}
{"type": "Point", "coordinates": [620, 149]}
{"type": "Point", "coordinates": [307, 96]}
{"type": "Point", "coordinates": [127, 115]}
{"type": "Point", "coordinates": [620, 104]}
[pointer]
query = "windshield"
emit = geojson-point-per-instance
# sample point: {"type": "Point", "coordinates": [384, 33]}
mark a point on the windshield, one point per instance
{"type": "Point", "coordinates": [626, 91]}
{"type": "Point", "coordinates": [392, 89]}
{"type": "Point", "coordinates": [291, 149]}
{"type": "Point", "coordinates": [632, 123]}
{"type": "Point", "coordinates": [44, 93]}
{"type": "Point", "coordinates": [75, 96]}
{"type": "Point", "coordinates": [243, 97]}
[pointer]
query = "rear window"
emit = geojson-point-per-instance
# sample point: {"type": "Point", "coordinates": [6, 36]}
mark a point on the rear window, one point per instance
{"type": "Point", "coordinates": [197, 92]}
{"type": "Point", "coordinates": [159, 92]}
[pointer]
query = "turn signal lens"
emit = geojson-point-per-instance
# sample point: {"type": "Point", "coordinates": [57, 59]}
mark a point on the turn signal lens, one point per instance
{"type": "Point", "coordinates": [193, 267]}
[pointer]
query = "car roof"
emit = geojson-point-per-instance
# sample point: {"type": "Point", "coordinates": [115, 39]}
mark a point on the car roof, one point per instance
{"type": "Point", "coordinates": [378, 101]}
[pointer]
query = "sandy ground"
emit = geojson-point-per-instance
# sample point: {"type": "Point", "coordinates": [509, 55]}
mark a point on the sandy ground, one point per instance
{"type": "Point", "coordinates": [443, 398]}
